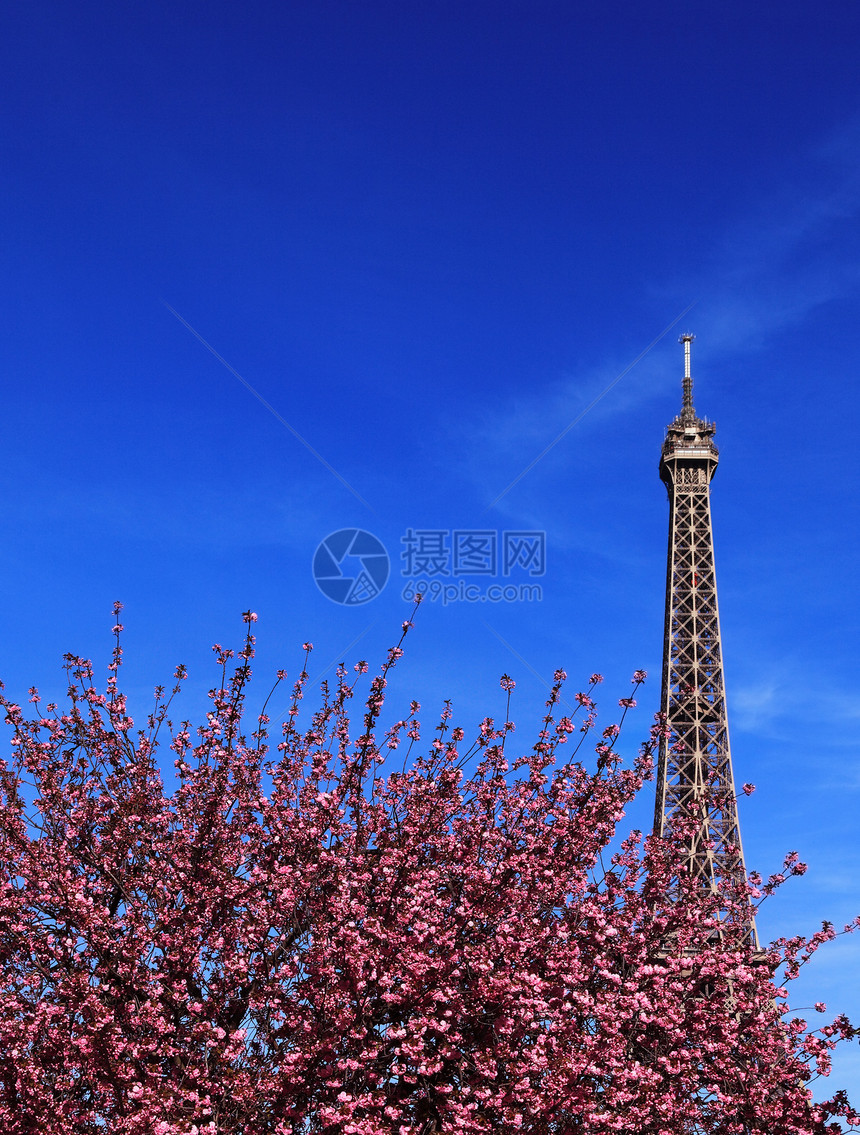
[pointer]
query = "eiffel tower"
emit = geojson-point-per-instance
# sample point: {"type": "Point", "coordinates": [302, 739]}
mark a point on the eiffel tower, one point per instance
{"type": "Point", "coordinates": [694, 772]}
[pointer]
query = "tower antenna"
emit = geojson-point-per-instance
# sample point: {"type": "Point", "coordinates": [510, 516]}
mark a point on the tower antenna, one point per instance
{"type": "Point", "coordinates": [688, 413]}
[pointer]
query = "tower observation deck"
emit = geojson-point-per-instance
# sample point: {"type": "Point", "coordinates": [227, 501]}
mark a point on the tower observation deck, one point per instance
{"type": "Point", "coordinates": [694, 774]}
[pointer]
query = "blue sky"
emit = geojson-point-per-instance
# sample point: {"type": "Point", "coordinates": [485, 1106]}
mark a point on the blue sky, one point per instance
{"type": "Point", "coordinates": [429, 237]}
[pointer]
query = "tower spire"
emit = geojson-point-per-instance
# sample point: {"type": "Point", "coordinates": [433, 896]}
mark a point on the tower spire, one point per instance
{"type": "Point", "coordinates": [695, 781]}
{"type": "Point", "coordinates": [687, 413]}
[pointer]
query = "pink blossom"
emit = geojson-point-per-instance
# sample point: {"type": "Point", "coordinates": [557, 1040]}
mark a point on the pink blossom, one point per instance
{"type": "Point", "coordinates": [288, 940]}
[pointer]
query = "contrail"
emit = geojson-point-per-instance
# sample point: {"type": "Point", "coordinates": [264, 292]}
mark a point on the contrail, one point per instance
{"type": "Point", "coordinates": [268, 406]}
{"type": "Point", "coordinates": [590, 406]}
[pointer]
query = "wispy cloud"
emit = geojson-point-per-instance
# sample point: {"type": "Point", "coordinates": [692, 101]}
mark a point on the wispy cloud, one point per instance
{"type": "Point", "coordinates": [763, 706]}
{"type": "Point", "coordinates": [265, 511]}
{"type": "Point", "coordinates": [757, 705]}
{"type": "Point", "coordinates": [796, 250]}
{"type": "Point", "coordinates": [590, 406]}
{"type": "Point", "coordinates": [804, 722]}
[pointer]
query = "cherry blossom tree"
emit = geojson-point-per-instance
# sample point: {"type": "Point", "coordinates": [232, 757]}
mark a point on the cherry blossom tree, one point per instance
{"type": "Point", "coordinates": [367, 930]}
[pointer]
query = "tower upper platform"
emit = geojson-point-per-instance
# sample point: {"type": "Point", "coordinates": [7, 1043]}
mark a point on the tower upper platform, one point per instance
{"type": "Point", "coordinates": [689, 438]}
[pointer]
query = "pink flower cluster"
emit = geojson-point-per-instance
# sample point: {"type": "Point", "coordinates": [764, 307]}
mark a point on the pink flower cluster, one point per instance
{"type": "Point", "coordinates": [290, 941]}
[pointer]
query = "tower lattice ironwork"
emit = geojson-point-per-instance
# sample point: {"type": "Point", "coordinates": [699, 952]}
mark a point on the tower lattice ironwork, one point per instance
{"type": "Point", "coordinates": [694, 777]}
